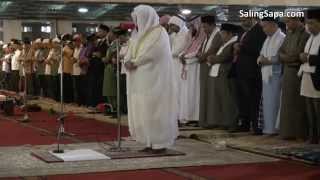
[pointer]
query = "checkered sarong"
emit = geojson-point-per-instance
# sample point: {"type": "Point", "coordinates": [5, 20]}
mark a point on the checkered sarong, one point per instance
{"type": "Point", "coordinates": [260, 114]}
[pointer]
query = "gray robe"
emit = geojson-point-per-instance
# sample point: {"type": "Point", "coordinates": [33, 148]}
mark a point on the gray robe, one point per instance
{"type": "Point", "coordinates": [293, 120]}
{"type": "Point", "coordinates": [205, 119]}
{"type": "Point", "coordinates": [222, 107]}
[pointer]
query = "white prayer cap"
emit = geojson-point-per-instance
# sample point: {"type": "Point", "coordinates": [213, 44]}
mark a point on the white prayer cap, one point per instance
{"type": "Point", "coordinates": [38, 40]}
{"type": "Point", "coordinates": [56, 40]}
{"type": "Point", "coordinates": [46, 41]}
{"type": "Point", "coordinates": [76, 36]}
{"type": "Point", "coordinates": [177, 21]}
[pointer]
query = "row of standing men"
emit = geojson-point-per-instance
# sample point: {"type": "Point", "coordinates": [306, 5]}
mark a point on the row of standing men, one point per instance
{"type": "Point", "coordinates": [256, 76]}
{"type": "Point", "coordinates": [88, 67]}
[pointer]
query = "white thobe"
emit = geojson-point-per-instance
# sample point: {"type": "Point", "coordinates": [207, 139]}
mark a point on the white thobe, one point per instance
{"type": "Point", "coordinates": [271, 81]}
{"type": "Point", "coordinates": [152, 104]}
{"type": "Point", "coordinates": [190, 86]}
{"type": "Point", "coordinates": [178, 44]}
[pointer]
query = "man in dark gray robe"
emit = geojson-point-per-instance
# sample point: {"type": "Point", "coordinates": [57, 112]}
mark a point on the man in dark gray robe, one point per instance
{"type": "Point", "coordinates": [293, 122]}
{"type": "Point", "coordinates": [223, 107]}
{"type": "Point", "coordinates": [210, 47]}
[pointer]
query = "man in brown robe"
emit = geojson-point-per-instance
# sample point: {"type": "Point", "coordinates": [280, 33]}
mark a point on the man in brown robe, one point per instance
{"type": "Point", "coordinates": [293, 122]}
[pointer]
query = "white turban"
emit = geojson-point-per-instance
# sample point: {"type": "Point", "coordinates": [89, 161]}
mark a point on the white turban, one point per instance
{"type": "Point", "coordinates": [56, 40]}
{"type": "Point", "coordinates": [145, 17]}
{"type": "Point", "coordinates": [38, 40]}
{"type": "Point", "coordinates": [46, 41]}
{"type": "Point", "coordinates": [177, 21]}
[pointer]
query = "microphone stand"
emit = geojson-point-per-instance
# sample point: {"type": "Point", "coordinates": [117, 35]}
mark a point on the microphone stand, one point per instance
{"type": "Point", "coordinates": [25, 96]}
{"type": "Point", "coordinates": [61, 117]}
{"type": "Point", "coordinates": [117, 147]}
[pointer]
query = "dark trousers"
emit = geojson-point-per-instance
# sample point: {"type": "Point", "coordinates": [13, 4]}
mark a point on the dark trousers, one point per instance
{"type": "Point", "coordinates": [6, 81]}
{"type": "Point", "coordinates": [67, 88]}
{"type": "Point", "coordinates": [41, 85]}
{"type": "Point", "coordinates": [95, 82]}
{"type": "Point", "coordinates": [83, 92]}
{"type": "Point", "coordinates": [77, 89]}
{"type": "Point", "coordinates": [313, 112]}
{"type": "Point", "coordinates": [53, 87]}
{"type": "Point", "coordinates": [248, 97]}
{"type": "Point", "coordinates": [14, 81]}
{"type": "Point", "coordinates": [123, 94]}
{"type": "Point", "coordinates": [29, 84]}
{"type": "Point", "coordinates": [2, 73]}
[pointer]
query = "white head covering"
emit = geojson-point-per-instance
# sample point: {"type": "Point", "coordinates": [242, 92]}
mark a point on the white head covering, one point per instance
{"type": "Point", "coordinates": [5, 46]}
{"type": "Point", "coordinates": [145, 17]}
{"type": "Point", "coordinates": [56, 40]}
{"type": "Point", "coordinates": [46, 41]}
{"type": "Point", "coordinates": [177, 21]}
{"type": "Point", "coordinates": [38, 40]}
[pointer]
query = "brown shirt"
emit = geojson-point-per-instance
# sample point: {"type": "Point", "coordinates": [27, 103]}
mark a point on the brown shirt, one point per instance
{"type": "Point", "coordinates": [27, 60]}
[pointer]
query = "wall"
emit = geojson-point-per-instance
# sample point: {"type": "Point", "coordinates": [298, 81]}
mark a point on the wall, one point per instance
{"type": "Point", "coordinates": [13, 28]}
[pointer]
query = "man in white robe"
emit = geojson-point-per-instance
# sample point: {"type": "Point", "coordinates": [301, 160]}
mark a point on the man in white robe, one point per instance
{"type": "Point", "coordinates": [310, 71]}
{"type": "Point", "coordinates": [179, 39]}
{"type": "Point", "coordinates": [152, 102]}
{"type": "Point", "coordinates": [271, 71]}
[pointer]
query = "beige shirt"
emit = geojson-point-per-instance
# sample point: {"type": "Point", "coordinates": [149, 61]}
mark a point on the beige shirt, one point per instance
{"type": "Point", "coordinates": [68, 61]}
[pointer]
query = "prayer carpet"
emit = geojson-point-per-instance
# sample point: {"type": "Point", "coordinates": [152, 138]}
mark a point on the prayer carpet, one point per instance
{"type": "Point", "coordinates": [42, 128]}
{"type": "Point", "coordinates": [279, 170]}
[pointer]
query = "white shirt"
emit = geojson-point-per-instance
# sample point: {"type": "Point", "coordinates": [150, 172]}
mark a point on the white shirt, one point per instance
{"type": "Point", "coordinates": [6, 64]}
{"type": "Point", "coordinates": [307, 87]}
{"type": "Point", "coordinates": [76, 66]}
{"type": "Point", "coordinates": [15, 64]}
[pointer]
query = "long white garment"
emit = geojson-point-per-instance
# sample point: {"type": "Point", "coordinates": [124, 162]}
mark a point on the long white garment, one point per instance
{"type": "Point", "coordinates": [179, 41]}
{"type": "Point", "coordinates": [271, 84]}
{"type": "Point", "coordinates": [151, 90]}
{"type": "Point", "coordinates": [123, 52]}
{"type": "Point", "coordinates": [307, 87]}
{"type": "Point", "coordinates": [76, 66]}
{"type": "Point", "coordinates": [190, 92]}
{"type": "Point", "coordinates": [190, 87]}
{"type": "Point", "coordinates": [15, 64]}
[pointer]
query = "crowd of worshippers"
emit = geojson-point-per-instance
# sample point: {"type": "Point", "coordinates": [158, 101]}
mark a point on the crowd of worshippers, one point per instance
{"type": "Point", "coordinates": [89, 66]}
{"type": "Point", "coordinates": [258, 76]}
